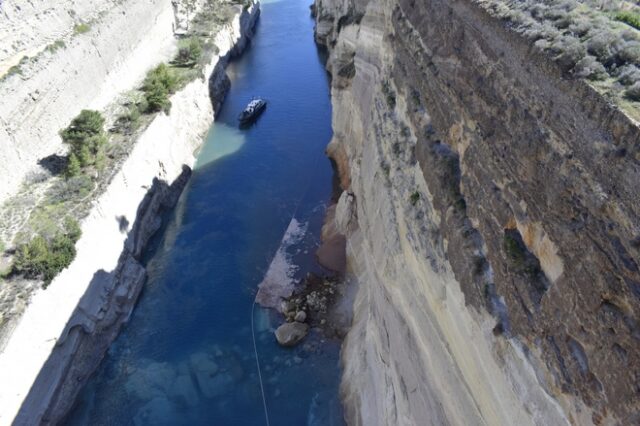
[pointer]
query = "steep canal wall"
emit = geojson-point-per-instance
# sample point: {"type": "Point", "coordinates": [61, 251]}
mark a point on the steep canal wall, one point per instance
{"type": "Point", "coordinates": [66, 330]}
{"type": "Point", "coordinates": [493, 222]}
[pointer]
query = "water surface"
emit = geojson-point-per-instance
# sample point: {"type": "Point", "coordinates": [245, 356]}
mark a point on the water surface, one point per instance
{"type": "Point", "coordinates": [187, 357]}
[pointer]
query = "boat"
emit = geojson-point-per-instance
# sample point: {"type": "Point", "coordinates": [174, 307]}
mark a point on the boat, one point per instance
{"type": "Point", "coordinates": [252, 111]}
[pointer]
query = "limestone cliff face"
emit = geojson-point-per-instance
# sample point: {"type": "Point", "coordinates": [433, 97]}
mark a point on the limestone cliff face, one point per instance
{"type": "Point", "coordinates": [494, 223]}
{"type": "Point", "coordinates": [51, 68]}
{"type": "Point", "coordinates": [66, 330]}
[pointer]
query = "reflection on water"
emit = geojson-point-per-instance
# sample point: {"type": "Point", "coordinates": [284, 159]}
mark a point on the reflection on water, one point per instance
{"type": "Point", "coordinates": [186, 357]}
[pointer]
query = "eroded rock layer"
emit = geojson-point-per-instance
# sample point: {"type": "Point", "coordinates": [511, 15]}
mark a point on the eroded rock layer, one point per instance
{"type": "Point", "coordinates": [493, 223]}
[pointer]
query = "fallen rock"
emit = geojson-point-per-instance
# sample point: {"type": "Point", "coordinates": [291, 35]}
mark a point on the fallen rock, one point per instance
{"type": "Point", "coordinates": [286, 306]}
{"type": "Point", "coordinates": [301, 316]}
{"type": "Point", "coordinates": [289, 334]}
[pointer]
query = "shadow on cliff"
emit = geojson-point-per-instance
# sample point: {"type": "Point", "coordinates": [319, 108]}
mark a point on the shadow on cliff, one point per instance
{"type": "Point", "coordinates": [101, 312]}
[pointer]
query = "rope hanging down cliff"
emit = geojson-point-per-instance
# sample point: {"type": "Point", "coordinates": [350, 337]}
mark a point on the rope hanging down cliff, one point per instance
{"type": "Point", "coordinates": [255, 350]}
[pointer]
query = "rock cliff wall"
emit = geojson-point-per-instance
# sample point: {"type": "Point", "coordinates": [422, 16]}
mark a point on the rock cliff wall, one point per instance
{"type": "Point", "coordinates": [59, 57]}
{"type": "Point", "coordinates": [66, 329]}
{"type": "Point", "coordinates": [493, 223]}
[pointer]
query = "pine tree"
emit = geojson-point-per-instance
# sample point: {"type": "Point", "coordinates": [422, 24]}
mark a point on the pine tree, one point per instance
{"type": "Point", "coordinates": [73, 166]}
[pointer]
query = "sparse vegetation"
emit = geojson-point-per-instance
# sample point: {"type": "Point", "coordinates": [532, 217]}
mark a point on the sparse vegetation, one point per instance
{"type": "Point", "coordinates": [43, 258]}
{"type": "Point", "coordinates": [56, 45]}
{"type": "Point", "coordinates": [518, 254]}
{"type": "Point", "coordinates": [414, 198]}
{"type": "Point", "coordinates": [189, 53]}
{"type": "Point", "coordinates": [16, 69]}
{"type": "Point", "coordinates": [45, 241]}
{"type": "Point", "coordinates": [158, 85]}
{"type": "Point", "coordinates": [590, 39]}
{"type": "Point", "coordinates": [129, 121]}
{"type": "Point", "coordinates": [385, 169]}
{"type": "Point", "coordinates": [389, 94]}
{"type": "Point", "coordinates": [513, 248]}
{"type": "Point", "coordinates": [633, 92]}
{"type": "Point", "coordinates": [629, 18]}
{"type": "Point", "coordinates": [81, 28]}
{"type": "Point", "coordinates": [86, 138]}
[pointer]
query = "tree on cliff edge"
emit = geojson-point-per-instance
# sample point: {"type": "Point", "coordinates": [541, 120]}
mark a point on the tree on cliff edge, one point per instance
{"type": "Point", "coordinates": [86, 139]}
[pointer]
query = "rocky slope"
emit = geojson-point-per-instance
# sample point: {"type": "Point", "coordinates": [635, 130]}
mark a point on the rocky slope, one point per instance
{"type": "Point", "coordinates": [491, 216]}
{"type": "Point", "coordinates": [67, 328]}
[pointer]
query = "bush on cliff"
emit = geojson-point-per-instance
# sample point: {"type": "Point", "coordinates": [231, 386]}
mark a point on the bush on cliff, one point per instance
{"type": "Point", "coordinates": [158, 85]}
{"type": "Point", "coordinates": [43, 258]}
{"type": "Point", "coordinates": [189, 53]}
{"type": "Point", "coordinates": [86, 138]}
{"type": "Point", "coordinates": [629, 18]}
{"type": "Point", "coordinates": [633, 92]}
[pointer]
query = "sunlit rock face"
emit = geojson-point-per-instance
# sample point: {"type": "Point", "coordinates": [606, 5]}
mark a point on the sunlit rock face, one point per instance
{"type": "Point", "coordinates": [61, 56]}
{"type": "Point", "coordinates": [493, 223]}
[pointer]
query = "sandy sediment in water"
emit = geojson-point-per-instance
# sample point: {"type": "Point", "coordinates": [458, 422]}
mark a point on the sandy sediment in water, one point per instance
{"type": "Point", "coordinates": [279, 281]}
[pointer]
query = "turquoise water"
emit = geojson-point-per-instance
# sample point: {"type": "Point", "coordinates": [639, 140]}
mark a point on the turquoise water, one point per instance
{"type": "Point", "coordinates": [186, 357]}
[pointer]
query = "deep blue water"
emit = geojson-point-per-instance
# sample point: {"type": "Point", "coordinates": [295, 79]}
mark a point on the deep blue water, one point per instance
{"type": "Point", "coordinates": [186, 357]}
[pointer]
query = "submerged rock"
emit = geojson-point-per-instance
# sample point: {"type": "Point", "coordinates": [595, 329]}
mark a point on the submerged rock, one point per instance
{"type": "Point", "coordinates": [158, 411]}
{"type": "Point", "coordinates": [217, 385]}
{"type": "Point", "coordinates": [153, 381]}
{"type": "Point", "coordinates": [289, 334]}
{"type": "Point", "coordinates": [205, 371]}
{"type": "Point", "coordinates": [184, 391]}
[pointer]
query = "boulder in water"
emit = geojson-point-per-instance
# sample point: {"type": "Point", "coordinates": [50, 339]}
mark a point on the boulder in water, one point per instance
{"type": "Point", "coordinates": [301, 316]}
{"type": "Point", "coordinates": [290, 333]}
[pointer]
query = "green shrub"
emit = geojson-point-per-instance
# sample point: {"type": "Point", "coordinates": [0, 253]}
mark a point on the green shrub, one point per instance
{"type": "Point", "coordinates": [157, 98]}
{"type": "Point", "coordinates": [43, 258]}
{"type": "Point", "coordinates": [189, 53]}
{"type": "Point", "coordinates": [514, 248]}
{"type": "Point", "coordinates": [629, 18]}
{"type": "Point", "coordinates": [161, 75]}
{"type": "Point", "coordinates": [81, 28]}
{"type": "Point", "coordinates": [158, 85]}
{"type": "Point", "coordinates": [56, 45]}
{"type": "Point", "coordinates": [86, 138]}
{"type": "Point", "coordinates": [73, 188]}
{"type": "Point", "coordinates": [628, 75]}
{"type": "Point", "coordinates": [16, 69]}
{"type": "Point", "coordinates": [589, 67]}
{"type": "Point", "coordinates": [389, 94]}
{"type": "Point", "coordinates": [72, 228]}
{"type": "Point", "coordinates": [414, 198]}
{"type": "Point", "coordinates": [73, 166]}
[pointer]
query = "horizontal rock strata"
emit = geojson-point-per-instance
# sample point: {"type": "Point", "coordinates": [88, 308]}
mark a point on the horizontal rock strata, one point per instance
{"type": "Point", "coordinates": [494, 223]}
